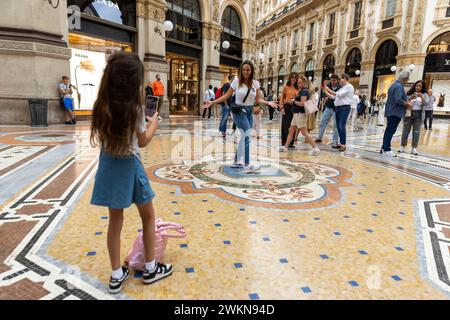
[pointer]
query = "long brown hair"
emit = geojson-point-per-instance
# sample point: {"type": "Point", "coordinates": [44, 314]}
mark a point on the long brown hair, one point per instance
{"type": "Point", "coordinates": [242, 81]}
{"type": "Point", "coordinates": [118, 104]}
{"type": "Point", "coordinates": [295, 84]}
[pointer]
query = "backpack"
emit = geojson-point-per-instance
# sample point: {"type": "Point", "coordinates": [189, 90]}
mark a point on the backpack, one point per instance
{"type": "Point", "coordinates": [224, 90]}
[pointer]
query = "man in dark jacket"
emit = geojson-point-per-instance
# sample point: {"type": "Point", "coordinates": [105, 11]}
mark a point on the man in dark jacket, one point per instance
{"type": "Point", "coordinates": [396, 105]}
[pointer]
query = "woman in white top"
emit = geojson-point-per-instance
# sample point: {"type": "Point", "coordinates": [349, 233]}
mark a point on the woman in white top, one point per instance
{"type": "Point", "coordinates": [343, 99]}
{"type": "Point", "coordinates": [246, 92]}
{"type": "Point", "coordinates": [418, 97]}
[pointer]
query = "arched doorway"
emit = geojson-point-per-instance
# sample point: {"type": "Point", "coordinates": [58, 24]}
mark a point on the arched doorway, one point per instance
{"type": "Point", "coordinates": [183, 52]}
{"type": "Point", "coordinates": [353, 66]}
{"type": "Point", "coordinates": [270, 81]}
{"type": "Point", "coordinates": [294, 67]}
{"type": "Point", "coordinates": [328, 67]}
{"type": "Point", "coordinates": [437, 70]}
{"type": "Point", "coordinates": [231, 58]}
{"type": "Point", "coordinates": [383, 77]}
{"type": "Point", "coordinates": [309, 69]}
{"type": "Point", "coordinates": [281, 75]}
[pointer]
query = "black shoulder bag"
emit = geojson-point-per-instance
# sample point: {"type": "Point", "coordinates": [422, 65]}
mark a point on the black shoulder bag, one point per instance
{"type": "Point", "coordinates": [237, 109]}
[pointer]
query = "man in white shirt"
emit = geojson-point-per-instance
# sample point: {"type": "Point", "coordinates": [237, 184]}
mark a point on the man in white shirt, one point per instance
{"type": "Point", "coordinates": [208, 96]}
{"type": "Point", "coordinates": [343, 100]}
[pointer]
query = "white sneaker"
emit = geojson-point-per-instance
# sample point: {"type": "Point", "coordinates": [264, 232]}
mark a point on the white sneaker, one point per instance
{"type": "Point", "coordinates": [389, 153]}
{"type": "Point", "coordinates": [237, 165]}
{"type": "Point", "coordinates": [414, 152]}
{"type": "Point", "coordinates": [402, 149]}
{"type": "Point", "coordinates": [251, 169]}
{"type": "Point", "coordinates": [283, 149]}
{"type": "Point", "coordinates": [314, 152]}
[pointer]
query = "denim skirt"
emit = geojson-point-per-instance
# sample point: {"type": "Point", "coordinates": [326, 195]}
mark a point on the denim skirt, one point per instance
{"type": "Point", "coordinates": [120, 182]}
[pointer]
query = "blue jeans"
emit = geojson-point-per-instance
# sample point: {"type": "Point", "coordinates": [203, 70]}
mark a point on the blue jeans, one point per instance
{"type": "Point", "coordinates": [391, 127]}
{"type": "Point", "coordinates": [224, 118]}
{"type": "Point", "coordinates": [326, 116]}
{"type": "Point", "coordinates": [244, 122]}
{"type": "Point", "coordinates": [341, 120]}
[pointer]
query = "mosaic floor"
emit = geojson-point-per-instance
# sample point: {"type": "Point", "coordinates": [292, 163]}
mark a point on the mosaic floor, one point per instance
{"type": "Point", "coordinates": [353, 225]}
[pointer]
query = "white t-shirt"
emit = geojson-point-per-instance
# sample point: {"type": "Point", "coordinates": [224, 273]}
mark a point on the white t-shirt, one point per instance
{"type": "Point", "coordinates": [344, 96]}
{"type": "Point", "coordinates": [64, 86]}
{"type": "Point", "coordinates": [140, 128]}
{"type": "Point", "coordinates": [355, 102]}
{"type": "Point", "coordinates": [240, 92]}
{"type": "Point", "coordinates": [209, 95]}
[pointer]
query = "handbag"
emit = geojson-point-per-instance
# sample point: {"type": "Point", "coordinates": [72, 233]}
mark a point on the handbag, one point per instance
{"type": "Point", "coordinates": [136, 256]}
{"type": "Point", "coordinates": [256, 109]}
{"type": "Point", "coordinates": [310, 106]}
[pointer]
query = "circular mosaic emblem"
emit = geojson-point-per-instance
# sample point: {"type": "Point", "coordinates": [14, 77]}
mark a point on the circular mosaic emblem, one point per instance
{"type": "Point", "coordinates": [284, 184]}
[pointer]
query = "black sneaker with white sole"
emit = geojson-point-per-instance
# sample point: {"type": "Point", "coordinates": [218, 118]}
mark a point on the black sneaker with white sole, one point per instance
{"type": "Point", "coordinates": [161, 271]}
{"type": "Point", "coordinates": [115, 285]}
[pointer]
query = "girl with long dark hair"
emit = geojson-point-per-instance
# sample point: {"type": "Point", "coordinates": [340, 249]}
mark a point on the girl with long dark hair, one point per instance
{"type": "Point", "coordinates": [119, 127]}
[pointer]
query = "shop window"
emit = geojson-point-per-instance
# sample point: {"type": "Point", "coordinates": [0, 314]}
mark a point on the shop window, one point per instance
{"type": "Point", "coordinates": [232, 32]}
{"type": "Point", "coordinates": [188, 8]}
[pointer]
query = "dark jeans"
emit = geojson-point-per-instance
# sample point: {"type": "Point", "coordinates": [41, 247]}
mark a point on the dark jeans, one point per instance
{"type": "Point", "coordinates": [391, 127]}
{"type": "Point", "coordinates": [429, 116]}
{"type": "Point", "coordinates": [413, 122]}
{"type": "Point", "coordinates": [341, 114]}
{"type": "Point", "coordinates": [209, 113]}
{"type": "Point", "coordinates": [286, 120]}
{"type": "Point", "coordinates": [244, 122]}
{"type": "Point", "coordinates": [271, 112]}
{"type": "Point", "coordinates": [224, 118]}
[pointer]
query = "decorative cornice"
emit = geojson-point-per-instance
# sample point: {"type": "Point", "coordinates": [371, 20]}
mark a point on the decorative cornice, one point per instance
{"type": "Point", "coordinates": [32, 48]}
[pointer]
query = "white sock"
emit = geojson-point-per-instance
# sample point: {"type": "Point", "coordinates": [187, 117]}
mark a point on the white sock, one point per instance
{"type": "Point", "coordinates": [150, 266]}
{"type": "Point", "coordinates": [117, 274]}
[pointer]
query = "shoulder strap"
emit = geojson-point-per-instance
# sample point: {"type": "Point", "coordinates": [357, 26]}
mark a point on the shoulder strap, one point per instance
{"type": "Point", "coordinates": [248, 92]}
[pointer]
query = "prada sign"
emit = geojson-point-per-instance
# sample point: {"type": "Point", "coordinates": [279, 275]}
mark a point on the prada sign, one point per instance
{"type": "Point", "coordinates": [186, 29]}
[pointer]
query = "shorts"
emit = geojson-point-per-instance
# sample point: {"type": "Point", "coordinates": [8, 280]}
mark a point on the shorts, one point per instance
{"type": "Point", "coordinates": [299, 120]}
{"type": "Point", "coordinates": [68, 104]}
{"type": "Point", "coordinates": [120, 182]}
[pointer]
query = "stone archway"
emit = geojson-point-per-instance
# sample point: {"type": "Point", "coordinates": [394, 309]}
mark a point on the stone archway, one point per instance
{"type": "Point", "coordinates": [242, 16]}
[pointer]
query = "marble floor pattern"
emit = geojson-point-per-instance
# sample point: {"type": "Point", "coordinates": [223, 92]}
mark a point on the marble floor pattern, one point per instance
{"type": "Point", "coordinates": [353, 225]}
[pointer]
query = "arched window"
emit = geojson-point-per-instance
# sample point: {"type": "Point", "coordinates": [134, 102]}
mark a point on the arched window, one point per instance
{"type": "Point", "coordinates": [231, 23]}
{"type": "Point", "coordinates": [310, 65]}
{"type": "Point", "coordinates": [353, 62]}
{"type": "Point", "coordinates": [309, 70]}
{"type": "Point", "coordinates": [232, 32]}
{"type": "Point", "coordinates": [281, 71]}
{"type": "Point", "coordinates": [440, 44]}
{"type": "Point", "coordinates": [328, 67]}
{"type": "Point", "coordinates": [120, 12]}
{"type": "Point", "coordinates": [294, 67]}
{"type": "Point", "coordinates": [188, 8]}
{"type": "Point", "coordinates": [386, 57]}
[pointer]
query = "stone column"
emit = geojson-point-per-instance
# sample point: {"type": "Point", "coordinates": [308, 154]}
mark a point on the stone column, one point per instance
{"type": "Point", "coordinates": [152, 46]}
{"type": "Point", "coordinates": [211, 57]}
{"type": "Point", "coordinates": [34, 54]}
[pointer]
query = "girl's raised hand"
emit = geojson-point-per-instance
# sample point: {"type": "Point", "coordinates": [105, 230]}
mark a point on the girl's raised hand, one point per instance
{"type": "Point", "coordinates": [153, 121]}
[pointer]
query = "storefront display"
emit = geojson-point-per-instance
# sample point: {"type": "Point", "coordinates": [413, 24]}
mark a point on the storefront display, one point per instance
{"type": "Point", "coordinates": [437, 72]}
{"type": "Point", "coordinates": [183, 53]}
{"type": "Point", "coordinates": [106, 27]}
{"type": "Point", "coordinates": [183, 85]}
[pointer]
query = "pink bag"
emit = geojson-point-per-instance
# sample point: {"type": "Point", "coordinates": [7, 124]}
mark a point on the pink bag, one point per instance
{"type": "Point", "coordinates": [136, 256]}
